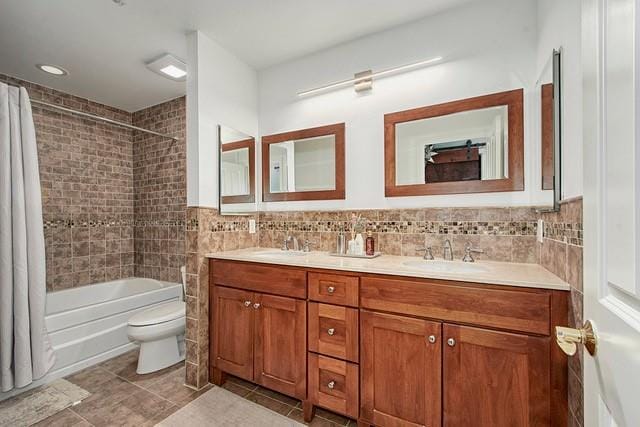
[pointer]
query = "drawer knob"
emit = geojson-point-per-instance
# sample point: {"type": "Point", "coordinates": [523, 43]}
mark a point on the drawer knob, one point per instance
{"type": "Point", "coordinates": [451, 342]}
{"type": "Point", "coordinates": [331, 289]}
{"type": "Point", "coordinates": [256, 305]}
{"type": "Point", "coordinates": [247, 303]}
{"type": "Point", "coordinates": [331, 384]}
{"type": "Point", "coordinates": [331, 331]}
{"type": "Point", "coordinates": [432, 339]}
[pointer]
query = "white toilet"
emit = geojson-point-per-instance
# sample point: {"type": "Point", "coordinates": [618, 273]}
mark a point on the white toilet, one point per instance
{"type": "Point", "coordinates": [160, 332]}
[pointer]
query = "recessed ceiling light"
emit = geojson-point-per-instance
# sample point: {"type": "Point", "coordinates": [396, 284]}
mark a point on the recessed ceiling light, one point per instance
{"type": "Point", "coordinates": [169, 66]}
{"type": "Point", "coordinates": [52, 69]}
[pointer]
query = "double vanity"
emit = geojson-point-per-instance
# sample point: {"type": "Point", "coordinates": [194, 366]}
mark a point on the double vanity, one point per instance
{"type": "Point", "coordinates": [393, 341]}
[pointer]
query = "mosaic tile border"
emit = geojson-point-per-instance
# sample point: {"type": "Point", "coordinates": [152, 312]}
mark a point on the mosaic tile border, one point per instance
{"type": "Point", "coordinates": [72, 223]}
{"type": "Point", "coordinates": [565, 232]}
{"type": "Point", "coordinates": [488, 228]}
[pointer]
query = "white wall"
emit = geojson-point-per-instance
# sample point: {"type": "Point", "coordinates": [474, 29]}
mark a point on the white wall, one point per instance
{"type": "Point", "coordinates": [488, 46]}
{"type": "Point", "coordinates": [559, 25]}
{"type": "Point", "coordinates": [221, 89]}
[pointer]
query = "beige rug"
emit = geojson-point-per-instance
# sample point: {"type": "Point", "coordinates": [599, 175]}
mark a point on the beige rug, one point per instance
{"type": "Point", "coordinates": [219, 407]}
{"type": "Point", "coordinates": [35, 405]}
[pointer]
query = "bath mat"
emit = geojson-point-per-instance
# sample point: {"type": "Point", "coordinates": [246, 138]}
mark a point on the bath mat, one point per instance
{"type": "Point", "coordinates": [219, 407]}
{"type": "Point", "coordinates": [36, 405]}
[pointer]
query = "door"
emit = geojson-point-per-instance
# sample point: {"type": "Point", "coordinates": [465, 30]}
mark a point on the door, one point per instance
{"type": "Point", "coordinates": [495, 379]}
{"type": "Point", "coordinates": [400, 367]}
{"type": "Point", "coordinates": [611, 210]}
{"type": "Point", "coordinates": [280, 359]}
{"type": "Point", "coordinates": [233, 326]}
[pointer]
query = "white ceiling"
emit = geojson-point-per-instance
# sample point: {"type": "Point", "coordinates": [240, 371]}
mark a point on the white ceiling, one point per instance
{"type": "Point", "coordinates": [104, 46]}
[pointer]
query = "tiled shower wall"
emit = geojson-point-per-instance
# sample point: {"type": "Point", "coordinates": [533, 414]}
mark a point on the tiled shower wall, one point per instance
{"type": "Point", "coordinates": [86, 174]}
{"type": "Point", "coordinates": [561, 253]}
{"type": "Point", "coordinates": [160, 191]}
{"type": "Point", "coordinates": [90, 173]}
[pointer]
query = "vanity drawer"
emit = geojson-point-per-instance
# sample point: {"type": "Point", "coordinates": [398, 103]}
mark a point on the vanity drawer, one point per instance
{"type": "Point", "coordinates": [333, 288]}
{"type": "Point", "coordinates": [333, 384]}
{"type": "Point", "coordinates": [276, 280]}
{"type": "Point", "coordinates": [333, 331]}
{"type": "Point", "coordinates": [512, 309]}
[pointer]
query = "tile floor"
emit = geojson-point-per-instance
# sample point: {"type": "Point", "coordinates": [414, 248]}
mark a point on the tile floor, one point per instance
{"type": "Point", "coordinates": [119, 396]}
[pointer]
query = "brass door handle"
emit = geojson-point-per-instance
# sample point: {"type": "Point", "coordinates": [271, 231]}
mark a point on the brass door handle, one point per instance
{"type": "Point", "coordinates": [569, 338]}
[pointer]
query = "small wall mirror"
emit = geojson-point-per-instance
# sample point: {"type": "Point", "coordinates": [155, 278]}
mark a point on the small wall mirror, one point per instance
{"type": "Point", "coordinates": [237, 171]}
{"type": "Point", "coordinates": [306, 164]}
{"type": "Point", "coordinates": [466, 146]}
{"type": "Point", "coordinates": [549, 89]}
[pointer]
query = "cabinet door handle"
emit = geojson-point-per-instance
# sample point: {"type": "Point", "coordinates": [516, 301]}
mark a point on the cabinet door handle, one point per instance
{"type": "Point", "coordinates": [256, 305]}
{"type": "Point", "coordinates": [451, 342]}
{"type": "Point", "coordinates": [432, 339]}
{"type": "Point", "coordinates": [331, 384]}
{"type": "Point", "coordinates": [331, 331]}
{"type": "Point", "coordinates": [247, 303]}
{"type": "Point", "coordinates": [331, 289]}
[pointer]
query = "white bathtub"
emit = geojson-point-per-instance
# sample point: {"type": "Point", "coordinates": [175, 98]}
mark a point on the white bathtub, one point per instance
{"type": "Point", "coordinates": [89, 324]}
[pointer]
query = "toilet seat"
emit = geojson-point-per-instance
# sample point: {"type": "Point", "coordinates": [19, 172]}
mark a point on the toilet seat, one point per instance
{"type": "Point", "coordinates": [163, 313]}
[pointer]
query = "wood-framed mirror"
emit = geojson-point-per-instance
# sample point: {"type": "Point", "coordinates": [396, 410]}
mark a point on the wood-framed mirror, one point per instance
{"type": "Point", "coordinates": [237, 168]}
{"type": "Point", "coordinates": [306, 164]}
{"type": "Point", "coordinates": [473, 145]}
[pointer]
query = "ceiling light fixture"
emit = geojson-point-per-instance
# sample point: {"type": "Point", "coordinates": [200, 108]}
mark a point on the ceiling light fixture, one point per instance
{"type": "Point", "coordinates": [52, 69]}
{"type": "Point", "coordinates": [169, 66]}
{"type": "Point", "coordinates": [364, 80]}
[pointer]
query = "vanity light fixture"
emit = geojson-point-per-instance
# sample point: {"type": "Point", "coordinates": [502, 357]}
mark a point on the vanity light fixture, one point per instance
{"type": "Point", "coordinates": [170, 67]}
{"type": "Point", "coordinates": [52, 69]}
{"type": "Point", "coordinates": [364, 80]}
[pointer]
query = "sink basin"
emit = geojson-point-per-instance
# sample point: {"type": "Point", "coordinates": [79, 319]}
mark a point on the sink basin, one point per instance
{"type": "Point", "coordinates": [281, 254]}
{"type": "Point", "coordinates": [446, 266]}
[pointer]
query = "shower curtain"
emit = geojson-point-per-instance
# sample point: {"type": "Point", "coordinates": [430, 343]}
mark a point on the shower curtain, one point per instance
{"type": "Point", "coordinates": [25, 349]}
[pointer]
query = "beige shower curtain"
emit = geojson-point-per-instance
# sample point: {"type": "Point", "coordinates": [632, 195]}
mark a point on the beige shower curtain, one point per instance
{"type": "Point", "coordinates": [25, 350]}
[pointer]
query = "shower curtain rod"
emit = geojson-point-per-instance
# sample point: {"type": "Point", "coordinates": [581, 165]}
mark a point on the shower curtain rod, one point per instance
{"type": "Point", "coordinates": [98, 118]}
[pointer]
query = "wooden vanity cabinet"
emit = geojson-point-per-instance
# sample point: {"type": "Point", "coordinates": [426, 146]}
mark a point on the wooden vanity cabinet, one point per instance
{"type": "Point", "coordinates": [400, 370]}
{"type": "Point", "coordinates": [493, 378]}
{"type": "Point", "coordinates": [392, 351]}
{"type": "Point", "coordinates": [255, 335]}
{"type": "Point", "coordinates": [280, 345]}
{"type": "Point", "coordinates": [233, 319]}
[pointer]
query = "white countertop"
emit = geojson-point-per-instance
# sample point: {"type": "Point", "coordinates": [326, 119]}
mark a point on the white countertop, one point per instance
{"type": "Point", "coordinates": [493, 273]}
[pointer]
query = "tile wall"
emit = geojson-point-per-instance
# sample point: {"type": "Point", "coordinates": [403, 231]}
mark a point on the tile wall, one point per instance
{"type": "Point", "coordinates": [561, 253]}
{"type": "Point", "coordinates": [160, 191]}
{"type": "Point", "coordinates": [207, 232]}
{"type": "Point", "coordinates": [505, 234]}
{"type": "Point", "coordinates": [86, 175]}
{"type": "Point", "coordinates": [101, 182]}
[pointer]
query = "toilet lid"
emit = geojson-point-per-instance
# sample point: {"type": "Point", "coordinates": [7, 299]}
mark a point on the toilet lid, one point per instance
{"type": "Point", "coordinates": [160, 314]}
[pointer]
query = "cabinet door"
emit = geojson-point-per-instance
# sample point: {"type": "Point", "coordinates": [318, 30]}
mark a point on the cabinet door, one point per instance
{"type": "Point", "coordinates": [400, 364]}
{"type": "Point", "coordinates": [495, 379]}
{"type": "Point", "coordinates": [233, 329]}
{"type": "Point", "coordinates": [280, 361]}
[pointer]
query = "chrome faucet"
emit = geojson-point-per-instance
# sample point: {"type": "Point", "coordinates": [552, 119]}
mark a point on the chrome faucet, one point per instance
{"type": "Point", "coordinates": [285, 243]}
{"type": "Point", "coordinates": [447, 250]}
{"type": "Point", "coordinates": [428, 255]}
{"type": "Point", "coordinates": [467, 252]}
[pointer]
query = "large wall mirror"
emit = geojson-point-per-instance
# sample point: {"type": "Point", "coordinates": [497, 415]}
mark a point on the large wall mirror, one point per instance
{"type": "Point", "coordinates": [305, 164]}
{"type": "Point", "coordinates": [237, 171]}
{"type": "Point", "coordinates": [465, 146]}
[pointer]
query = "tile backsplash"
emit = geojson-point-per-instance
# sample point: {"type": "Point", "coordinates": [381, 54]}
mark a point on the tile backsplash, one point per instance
{"type": "Point", "coordinates": [504, 234]}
